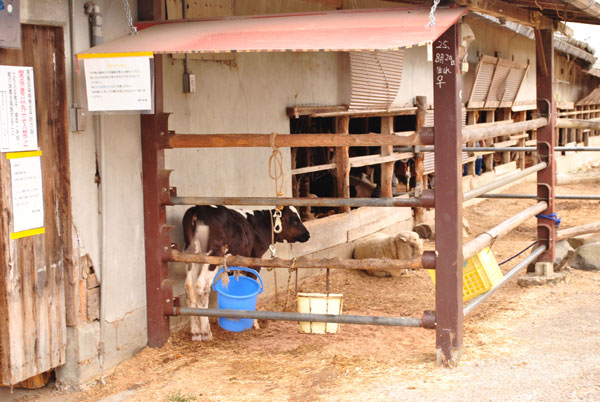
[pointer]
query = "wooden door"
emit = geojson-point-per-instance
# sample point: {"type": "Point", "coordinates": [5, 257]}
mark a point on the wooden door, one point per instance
{"type": "Point", "coordinates": [32, 268]}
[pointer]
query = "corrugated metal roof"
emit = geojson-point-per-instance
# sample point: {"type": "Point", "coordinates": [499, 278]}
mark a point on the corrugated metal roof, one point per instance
{"type": "Point", "coordinates": [345, 30]}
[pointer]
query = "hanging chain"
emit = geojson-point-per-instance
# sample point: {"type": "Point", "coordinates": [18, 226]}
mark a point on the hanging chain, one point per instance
{"type": "Point", "coordinates": [132, 28]}
{"type": "Point", "coordinates": [431, 22]}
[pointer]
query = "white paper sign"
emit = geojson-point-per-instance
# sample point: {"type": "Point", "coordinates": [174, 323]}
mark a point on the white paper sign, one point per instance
{"type": "Point", "coordinates": [118, 83]}
{"type": "Point", "coordinates": [27, 194]}
{"type": "Point", "coordinates": [18, 124]}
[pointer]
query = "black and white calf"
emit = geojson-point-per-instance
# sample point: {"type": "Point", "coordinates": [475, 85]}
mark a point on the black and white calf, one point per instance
{"type": "Point", "coordinates": [212, 230]}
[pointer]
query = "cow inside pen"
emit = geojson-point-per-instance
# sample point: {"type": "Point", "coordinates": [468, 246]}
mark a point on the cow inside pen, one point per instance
{"type": "Point", "coordinates": [365, 176]}
{"type": "Point", "coordinates": [221, 231]}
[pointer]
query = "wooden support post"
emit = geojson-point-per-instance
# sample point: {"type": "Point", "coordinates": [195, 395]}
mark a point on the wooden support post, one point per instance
{"type": "Point", "coordinates": [546, 139]}
{"type": "Point", "coordinates": [471, 119]}
{"type": "Point", "coordinates": [448, 199]}
{"type": "Point", "coordinates": [387, 169]}
{"type": "Point", "coordinates": [154, 128]}
{"type": "Point", "coordinates": [420, 180]}
{"type": "Point", "coordinates": [521, 116]}
{"type": "Point", "coordinates": [488, 160]}
{"type": "Point", "coordinates": [342, 162]}
{"type": "Point", "coordinates": [506, 115]}
{"type": "Point", "coordinates": [155, 225]}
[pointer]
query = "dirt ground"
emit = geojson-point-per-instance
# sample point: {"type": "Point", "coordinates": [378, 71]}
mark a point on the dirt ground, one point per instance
{"type": "Point", "coordinates": [540, 343]}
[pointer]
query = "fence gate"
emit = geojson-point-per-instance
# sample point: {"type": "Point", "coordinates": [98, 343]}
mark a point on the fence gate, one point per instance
{"type": "Point", "coordinates": [33, 267]}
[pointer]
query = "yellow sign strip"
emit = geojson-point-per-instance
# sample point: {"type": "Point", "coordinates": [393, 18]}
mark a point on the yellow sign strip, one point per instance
{"type": "Point", "coordinates": [26, 154]}
{"type": "Point", "coordinates": [107, 55]}
{"type": "Point", "coordinates": [27, 233]}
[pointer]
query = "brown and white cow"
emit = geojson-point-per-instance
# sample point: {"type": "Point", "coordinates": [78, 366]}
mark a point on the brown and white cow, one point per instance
{"type": "Point", "coordinates": [214, 229]}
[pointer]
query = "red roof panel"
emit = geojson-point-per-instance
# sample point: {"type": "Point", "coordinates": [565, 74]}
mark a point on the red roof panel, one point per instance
{"type": "Point", "coordinates": [373, 29]}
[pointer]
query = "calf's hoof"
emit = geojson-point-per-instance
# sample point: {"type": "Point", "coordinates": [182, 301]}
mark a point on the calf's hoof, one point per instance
{"type": "Point", "coordinates": [202, 337]}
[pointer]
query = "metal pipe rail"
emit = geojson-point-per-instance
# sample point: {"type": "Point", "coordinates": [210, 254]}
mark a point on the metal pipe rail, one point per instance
{"type": "Point", "coordinates": [426, 200]}
{"type": "Point", "coordinates": [523, 264]}
{"type": "Point", "coordinates": [427, 260]}
{"type": "Point", "coordinates": [486, 239]}
{"type": "Point", "coordinates": [533, 196]}
{"type": "Point", "coordinates": [289, 316]}
{"type": "Point", "coordinates": [503, 181]}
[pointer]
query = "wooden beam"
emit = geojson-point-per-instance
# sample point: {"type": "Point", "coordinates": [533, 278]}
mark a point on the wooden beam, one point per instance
{"type": "Point", "coordinates": [578, 231]}
{"type": "Point", "coordinates": [419, 171]}
{"type": "Point", "coordinates": [342, 161]}
{"type": "Point", "coordinates": [417, 262]}
{"type": "Point", "coordinates": [297, 140]}
{"type": "Point", "coordinates": [387, 168]}
{"type": "Point", "coordinates": [509, 11]}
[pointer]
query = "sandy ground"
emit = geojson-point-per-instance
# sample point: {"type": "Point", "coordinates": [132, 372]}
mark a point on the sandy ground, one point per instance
{"type": "Point", "coordinates": [538, 344]}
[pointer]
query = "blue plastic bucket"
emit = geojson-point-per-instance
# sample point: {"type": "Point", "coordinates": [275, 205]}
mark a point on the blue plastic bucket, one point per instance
{"type": "Point", "coordinates": [239, 294]}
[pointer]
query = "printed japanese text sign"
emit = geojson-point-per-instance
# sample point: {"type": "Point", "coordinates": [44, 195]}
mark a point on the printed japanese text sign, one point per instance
{"type": "Point", "coordinates": [18, 123]}
{"type": "Point", "coordinates": [27, 192]}
{"type": "Point", "coordinates": [118, 83]}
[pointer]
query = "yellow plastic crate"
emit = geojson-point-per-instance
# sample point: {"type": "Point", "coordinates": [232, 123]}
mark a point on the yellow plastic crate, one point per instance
{"type": "Point", "coordinates": [480, 274]}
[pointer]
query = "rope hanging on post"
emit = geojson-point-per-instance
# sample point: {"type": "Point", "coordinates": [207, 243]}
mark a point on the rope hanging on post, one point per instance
{"type": "Point", "coordinates": [287, 290]}
{"type": "Point", "coordinates": [276, 166]}
{"type": "Point", "coordinates": [276, 173]}
{"type": "Point", "coordinates": [226, 270]}
{"type": "Point", "coordinates": [552, 217]}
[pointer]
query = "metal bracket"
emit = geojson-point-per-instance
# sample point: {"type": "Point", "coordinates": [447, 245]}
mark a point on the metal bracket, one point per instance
{"type": "Point", "coordinates": [165, 242]}
{"type": "Point", "coordinates": [428, 319]}
{"type": "Point", "coordinates": [428, 198]}
{"type": "Point", "coordinates": [166, 287]}
{"type": "Point", "coordinates": [544, 192]}
{"type": "Point", "coordinates": [429, 258]}
{"type": "Point", "coordinates": [543, 151]}
{"type": "Point", "coordinates": [545, 239]}
{"type": "Point", "coordinates": [544, 108]}
{"type": "Point", "coordinates": [165, 188]}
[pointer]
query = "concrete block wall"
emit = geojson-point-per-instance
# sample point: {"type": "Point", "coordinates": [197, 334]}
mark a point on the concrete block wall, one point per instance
{"type": "Point", "coordinates": [122, 339]}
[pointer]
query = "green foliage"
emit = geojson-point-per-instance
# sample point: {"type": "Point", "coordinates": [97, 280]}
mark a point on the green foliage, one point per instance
{"type": "Point", "coordinates": [179, 397]}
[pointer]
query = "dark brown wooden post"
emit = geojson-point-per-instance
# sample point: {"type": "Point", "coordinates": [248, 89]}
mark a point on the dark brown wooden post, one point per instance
{"type": "Point", "coordinates": [387, 169]}
{"type": "Point", "coordinates": [420, 185]}
{"type": "Point", "coordinates": [156, 231]}
{"type": "Point", "coordinates": [342, 162]}
{"type": "Point", "coordinates": [156, 189]}
{"type": "Point", "coordinates": [448, 198]}
{"type": "Point", "coordinates": [546, 139]}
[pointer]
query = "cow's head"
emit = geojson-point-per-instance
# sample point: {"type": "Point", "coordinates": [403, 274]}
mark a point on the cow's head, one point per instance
{"type": "Point", "coordinates": [292, 228]}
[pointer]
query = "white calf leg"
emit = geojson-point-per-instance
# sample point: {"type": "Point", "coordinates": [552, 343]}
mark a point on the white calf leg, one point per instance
{"type": "Point", "coordinates": [203, 292]}
{"type": "Point", "coordinates": [190, 280]}
{"type": "Point", "coordinates": [197, 245]}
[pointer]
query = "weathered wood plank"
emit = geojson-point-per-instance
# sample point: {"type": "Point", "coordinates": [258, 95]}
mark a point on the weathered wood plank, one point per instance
{"type": "Point", "coordinates": [387, 169]}
{"type": "Point", "coordinates": [342, 162]}
{"type": "Point", "coordinates": [32, 309]}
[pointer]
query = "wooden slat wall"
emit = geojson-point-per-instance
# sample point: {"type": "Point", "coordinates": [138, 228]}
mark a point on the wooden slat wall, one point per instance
{"type": "Point", "coordinates": [483, 78]}
{"type": "Point", "coordinates": [497, 83]}
{"type": "Point", "coordinates": [32, 269]}
{"type": "Point", "coordinates": [376, 78]}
